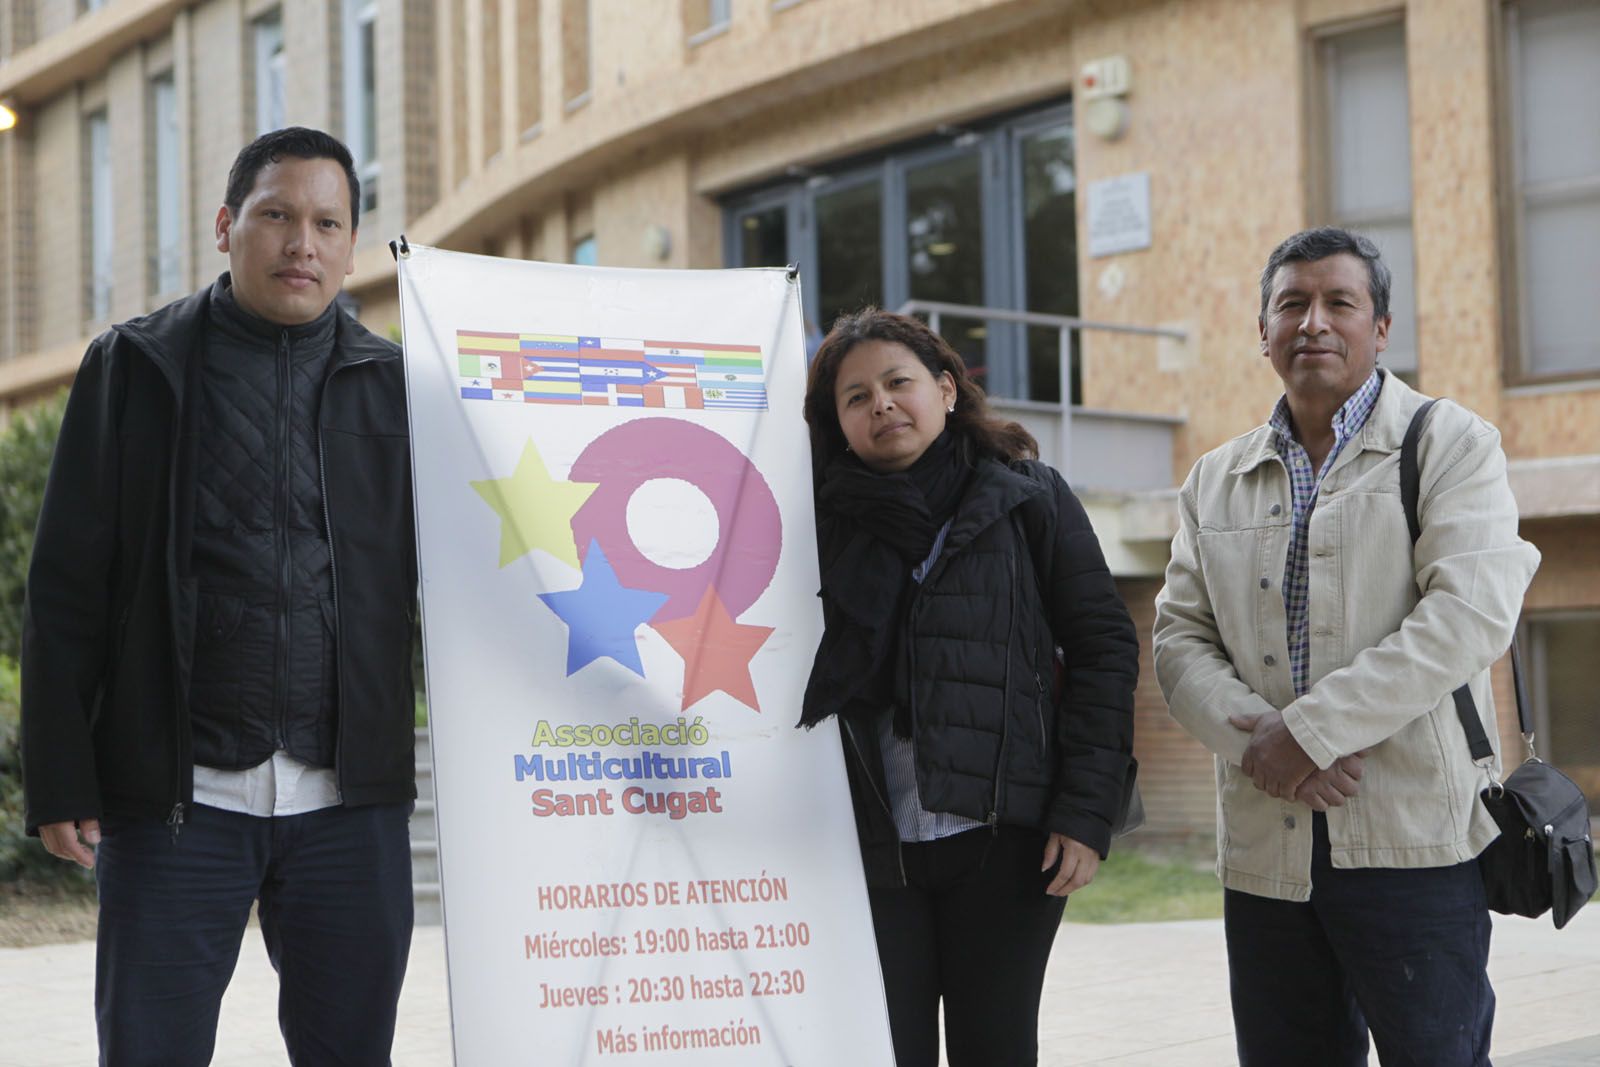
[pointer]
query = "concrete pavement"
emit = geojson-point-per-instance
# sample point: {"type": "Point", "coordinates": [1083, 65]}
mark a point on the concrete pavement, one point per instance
{"type": "Point", "coordinates": [1145, 995]}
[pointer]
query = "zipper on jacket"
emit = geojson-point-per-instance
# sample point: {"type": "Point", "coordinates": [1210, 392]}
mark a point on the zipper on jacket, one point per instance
{"type": "Point", "coordinates": [333, 570]}
{"type": "Point", "coordinates": [1005, 711]}
{"type": "Point", "coordinates": [281, 530]}
{"type": "Point", "coordinates": [899, 850]}
{"type": "Point", "coordinates": [175, 821]}
{"type": "Point", "coordinates": [1044, 701]}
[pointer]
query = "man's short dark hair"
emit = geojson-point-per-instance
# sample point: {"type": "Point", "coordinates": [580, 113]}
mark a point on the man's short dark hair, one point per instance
{"type": "Point", "coordinates": [1308, 246]}
{"type": "Point", "coordinates": [297, 142]}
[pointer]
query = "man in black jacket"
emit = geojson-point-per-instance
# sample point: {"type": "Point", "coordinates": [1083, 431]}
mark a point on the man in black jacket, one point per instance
{"type": "Point", "coordinates": [216, 650]}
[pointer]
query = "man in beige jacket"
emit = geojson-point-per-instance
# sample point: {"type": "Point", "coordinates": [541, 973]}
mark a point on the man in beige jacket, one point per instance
{"type": "Point", "coordinates": [1304, 641]}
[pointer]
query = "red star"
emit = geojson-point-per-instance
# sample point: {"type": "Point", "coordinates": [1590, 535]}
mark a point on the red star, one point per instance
{"type": "Point", "coordinates": [716, 651]}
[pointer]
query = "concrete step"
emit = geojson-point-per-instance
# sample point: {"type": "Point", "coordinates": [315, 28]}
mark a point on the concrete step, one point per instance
{"type": "Point", "coordinates": [424, 862]}
{"type": "Point", "coordinates": [425, 839]}
{"type": "Point", "coordinates": [424, 825]}
{"type": "Point", "coordinates": [426, 904]}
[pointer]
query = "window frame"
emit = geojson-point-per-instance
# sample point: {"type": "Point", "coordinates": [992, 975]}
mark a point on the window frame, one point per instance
{"type": "Point", "coordinates": [157, 284]}
{"type": "Point", "coordinates": [357, 17]}
{"type": "Point", "coordinates": [265, 64]}
{"type": "Point", "coordinates": [997, 143]}
{"type": "Point", "coordinates": [1516, 345]}
{"type": "Point", "coordinates": [1321, 96]}
{"type": "Point", "coordinates": [715, 27]}
{"type": "Point", "coordinates": [1535, 652]}
{"type": "Point", "coordinates": [101, 289]}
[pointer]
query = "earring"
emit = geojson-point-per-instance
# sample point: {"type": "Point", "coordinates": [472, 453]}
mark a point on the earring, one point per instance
{"type": "Point", "coordinates": [951, 410]}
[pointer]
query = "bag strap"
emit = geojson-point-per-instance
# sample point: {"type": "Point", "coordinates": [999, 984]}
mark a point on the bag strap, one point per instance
{"type": "Point", "coordinates": [1466, 707]}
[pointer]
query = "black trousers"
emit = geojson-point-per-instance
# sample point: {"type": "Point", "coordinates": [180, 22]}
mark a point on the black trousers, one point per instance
{"type": "Point", "coordinates": [1402, 952]}
{"type": "Point", "coordinates": [335, 906]}
{"type": "Point", "coordinates": [972, 927]}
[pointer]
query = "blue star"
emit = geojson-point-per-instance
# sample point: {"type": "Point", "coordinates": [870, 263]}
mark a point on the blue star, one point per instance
{"type": "Point", "coordinates": [601, 615]}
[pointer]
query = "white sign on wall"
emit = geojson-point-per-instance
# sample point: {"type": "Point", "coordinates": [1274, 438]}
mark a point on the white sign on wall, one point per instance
{"type": "Point", "coordinates": [643, 862]}
{"type": "Point", "coordinates": [1118, 214]}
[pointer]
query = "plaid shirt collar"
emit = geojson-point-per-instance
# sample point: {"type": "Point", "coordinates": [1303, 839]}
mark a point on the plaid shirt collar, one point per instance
{"type": "Point", "coordinates": [1347, 421]}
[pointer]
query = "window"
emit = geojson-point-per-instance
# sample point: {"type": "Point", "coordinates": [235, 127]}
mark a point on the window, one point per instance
{"type": "Point", "coordinates": [1563, 676]}
{"type": "Point", "coordinates": [703, 19]}
{"type": "Point", "coordinates": [585, 253]}
{"type": "Point", "coordinates": [849, 223]}
{"type": "Point", "coordinates": [361, 95]}
{"type": "Point", "coordinates": [1047, 213]}
{"type": "Point", "coordinates": [1368, 164]}
{"type": "Point", "coordinates": [1553, 63]}
{"type": "Point", "coordinates": [983, 217]}
{"type": "Point", "coordinates": [165, 204]}
{"type": "Point", "coordinates": [97, 155]}
{"type": "Point", "coordinates": [575, 52]}
{"type": "Point", "coordinates": [271, 64]}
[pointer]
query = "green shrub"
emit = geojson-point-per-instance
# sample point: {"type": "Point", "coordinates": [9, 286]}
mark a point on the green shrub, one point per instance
{"type": "Point", "coordinates": [26, 445]}
{"type": "Point", "coordinates": [22, 858]}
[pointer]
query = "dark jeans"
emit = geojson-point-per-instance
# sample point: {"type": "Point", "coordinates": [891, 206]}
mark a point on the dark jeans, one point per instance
{"type": "Point", "coordinates": [973, 925]}
{"type": "Point", "coordinates": [335, 893]}
{"type": "Point", "coordinates": [1400, 951]}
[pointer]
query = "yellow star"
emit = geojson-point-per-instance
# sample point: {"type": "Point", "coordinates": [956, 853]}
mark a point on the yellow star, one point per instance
{"type": "Point", "coordinates": [535, 510]}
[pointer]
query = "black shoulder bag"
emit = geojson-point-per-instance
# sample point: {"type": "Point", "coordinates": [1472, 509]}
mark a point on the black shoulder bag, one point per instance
{"type": "Point", "coordinates": [1543, 859]}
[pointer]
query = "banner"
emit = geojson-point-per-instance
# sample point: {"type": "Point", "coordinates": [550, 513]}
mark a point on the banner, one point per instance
{"type": "Point", "coordinates": [642, 860]}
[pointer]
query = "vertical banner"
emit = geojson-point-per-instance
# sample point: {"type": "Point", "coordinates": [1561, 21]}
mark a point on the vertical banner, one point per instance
{"type": "Point", "coordinates": [642, 860]}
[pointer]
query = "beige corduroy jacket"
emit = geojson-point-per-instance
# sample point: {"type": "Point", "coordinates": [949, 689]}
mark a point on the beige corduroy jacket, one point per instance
{"type": "Point", "coordinates": [1392, 634]}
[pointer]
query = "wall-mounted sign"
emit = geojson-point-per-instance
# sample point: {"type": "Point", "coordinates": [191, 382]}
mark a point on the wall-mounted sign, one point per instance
{"type": "Point", "coordinates": [1118, 214]}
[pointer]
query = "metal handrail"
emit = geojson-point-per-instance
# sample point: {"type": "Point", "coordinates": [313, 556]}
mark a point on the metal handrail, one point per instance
{"type": "Point", "coordinates": [1034, 318]}
{"type": "Point", "coordinates": [1064, 325]}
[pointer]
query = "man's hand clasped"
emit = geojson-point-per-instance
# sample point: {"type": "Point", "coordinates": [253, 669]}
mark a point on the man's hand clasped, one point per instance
{"type": "Point", "coordinates": [1279, 767]}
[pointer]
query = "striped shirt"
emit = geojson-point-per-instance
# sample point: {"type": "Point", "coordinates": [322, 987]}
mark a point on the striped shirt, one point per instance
{"type": "Point", "coordinates": [911, 819]}
{"type": "Point", "coordinates": [1304, 483]}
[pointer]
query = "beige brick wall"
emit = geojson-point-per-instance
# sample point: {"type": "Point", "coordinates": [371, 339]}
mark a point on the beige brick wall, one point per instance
{"type": "Point", "coordinates": [1569, 573]}
{"type": "Point", "coordinates": [1459, 327]}
{"type": "Point", "coordinates": [311, 43]}
{"type": "Point", "coordinates": [418, 149]}
{"type": "Point", "coordinates": [128, 109]}
{"type": "Point", "coordinates": [59, 254]}
{"type": "Point", "coordinates": [13, 336]}
{"type": "Point", "coordinates": [656, 190]}
{"type": "Point", "coordinates": [52, 16]}
{"type": "Point", "coordinates": [1221, 140]}
{"type": "Point", "coordinates": [1175, 771]}
{"type": "Point", "coordinates": [408, 148]}
{"type": "Point", "coordinates": [16, 26]}
{"type": "Point", "coordinates": [220, 122]}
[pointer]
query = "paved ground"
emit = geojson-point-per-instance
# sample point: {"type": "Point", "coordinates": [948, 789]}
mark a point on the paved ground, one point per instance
{"type": "Point", "coordinates": [1152, 995]}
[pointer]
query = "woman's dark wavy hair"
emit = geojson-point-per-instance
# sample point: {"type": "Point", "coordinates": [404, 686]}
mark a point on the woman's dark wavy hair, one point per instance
{"type": "Point", "coordinates": [974, 424]}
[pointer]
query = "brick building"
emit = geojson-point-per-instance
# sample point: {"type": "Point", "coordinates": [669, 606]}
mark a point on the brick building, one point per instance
{"type": "Point", "coordinates": [969, 152]}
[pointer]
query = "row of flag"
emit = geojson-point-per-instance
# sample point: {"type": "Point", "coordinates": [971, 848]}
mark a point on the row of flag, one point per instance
{"type": "Point", "coordinates": [532, 368]}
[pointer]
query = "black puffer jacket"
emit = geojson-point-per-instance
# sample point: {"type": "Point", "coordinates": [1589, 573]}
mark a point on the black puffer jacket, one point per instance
{"type": "Point", "coordinates": [109, 625]}
{"type": "Point", "coordinates": [1021, 571]}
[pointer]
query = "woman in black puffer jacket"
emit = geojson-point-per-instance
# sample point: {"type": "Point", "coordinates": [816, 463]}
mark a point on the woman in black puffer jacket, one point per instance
{"type": "Point", "coordinates": [986, 772]}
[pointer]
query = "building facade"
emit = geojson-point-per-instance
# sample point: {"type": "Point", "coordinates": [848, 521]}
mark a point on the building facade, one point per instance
{"type": "Point", "coordinates": [1124, 164]}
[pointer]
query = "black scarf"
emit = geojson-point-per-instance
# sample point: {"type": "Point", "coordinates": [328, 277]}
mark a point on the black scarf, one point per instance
{"type": "Point", "coordinates": [872, 532]}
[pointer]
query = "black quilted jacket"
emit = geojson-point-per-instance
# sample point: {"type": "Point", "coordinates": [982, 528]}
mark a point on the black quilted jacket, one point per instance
{"type": "Point", "coordinates": [112, 601]}
{"type": "Point", "coordinates": [998, 735]}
